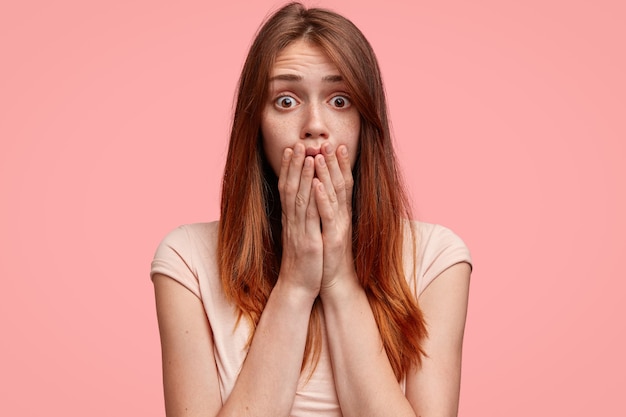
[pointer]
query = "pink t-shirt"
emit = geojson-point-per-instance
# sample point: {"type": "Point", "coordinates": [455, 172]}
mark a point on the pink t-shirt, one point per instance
{"type": "Point", "coordinates": [188, 255]}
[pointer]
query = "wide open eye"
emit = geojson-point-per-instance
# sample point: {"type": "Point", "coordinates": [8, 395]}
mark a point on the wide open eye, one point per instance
{"type": "Point", "coordinates": [285, 102]}
{"type": "Point", "coordinates": [341, 102]}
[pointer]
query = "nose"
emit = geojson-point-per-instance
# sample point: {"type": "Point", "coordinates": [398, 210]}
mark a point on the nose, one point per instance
{"type": "Point", "coordinates": [314, 124]}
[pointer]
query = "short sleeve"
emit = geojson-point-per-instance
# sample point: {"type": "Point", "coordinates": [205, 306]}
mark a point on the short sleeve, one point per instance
{"type": "Point", "coordinates": [440, 248]}
{"type": "Point", "coordinates": [174, 258]}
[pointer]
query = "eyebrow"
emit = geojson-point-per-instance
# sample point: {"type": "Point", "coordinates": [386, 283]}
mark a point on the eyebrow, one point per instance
{"type": "Point", "coordinates": [295, 77]}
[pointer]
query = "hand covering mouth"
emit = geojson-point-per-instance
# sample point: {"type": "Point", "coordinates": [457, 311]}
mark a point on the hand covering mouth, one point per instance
{"type": "Point", "coordinates": [313, 151]}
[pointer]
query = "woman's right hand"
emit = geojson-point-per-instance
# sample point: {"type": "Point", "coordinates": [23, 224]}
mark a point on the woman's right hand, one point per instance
{"type": "Point", "coordinates": [302, 259]}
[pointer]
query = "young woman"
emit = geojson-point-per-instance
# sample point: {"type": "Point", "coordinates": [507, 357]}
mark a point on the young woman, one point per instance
{"type": "Point", "coordinates": [314, 295]}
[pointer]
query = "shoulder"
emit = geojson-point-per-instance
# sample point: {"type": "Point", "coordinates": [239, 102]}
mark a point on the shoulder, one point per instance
{"type": "Point", "coordinates": [189, 238]}
{"type": "Point", "coordinates": [191, 234]}
{"type": "Point", "coordinates": [185, 250]}
{"type": "Point", "coordinates": [437, 240]}
{"type": "Point", "coordinates": [436, 248]}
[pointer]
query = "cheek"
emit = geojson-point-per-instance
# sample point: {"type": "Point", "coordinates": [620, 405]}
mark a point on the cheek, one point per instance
{"type": "Point", "coordinates": [354, 135]}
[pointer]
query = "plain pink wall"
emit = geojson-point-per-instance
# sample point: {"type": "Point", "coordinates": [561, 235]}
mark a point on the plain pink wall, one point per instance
{"type": "Point", "coordinates": [510, 125]}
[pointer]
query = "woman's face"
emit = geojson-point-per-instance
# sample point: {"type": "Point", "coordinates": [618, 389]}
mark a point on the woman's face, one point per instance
{"type": "Point", "coordinates": [307, 102]}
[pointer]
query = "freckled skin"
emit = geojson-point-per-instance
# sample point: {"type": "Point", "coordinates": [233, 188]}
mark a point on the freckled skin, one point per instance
{"type": "Point", "coordinates": [312, 108]}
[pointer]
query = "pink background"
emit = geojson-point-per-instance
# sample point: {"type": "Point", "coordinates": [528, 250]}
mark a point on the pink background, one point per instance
{"type": "Point", "coordinates": [510, 125]}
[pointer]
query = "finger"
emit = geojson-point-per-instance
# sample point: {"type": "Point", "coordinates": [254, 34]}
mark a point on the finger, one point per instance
{"type": "Point", "coordinates": [338, 182]}
{"type": "Point", "coordinates": [291, 184]}
{"type": "Point", "coordinates": [323, 174]}
{"type": "Point", "coordinates": [312, 224]}
{"type": "Point", "coordinates": [304, 191]}
{"type": "Point", "coordinates": [324, 205]}
{"type": "Point", "coordinates": [346, 170]}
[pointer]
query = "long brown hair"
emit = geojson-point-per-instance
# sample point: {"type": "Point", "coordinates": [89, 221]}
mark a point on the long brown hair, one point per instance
{"type": "Point", "coordinates": [249, 246]}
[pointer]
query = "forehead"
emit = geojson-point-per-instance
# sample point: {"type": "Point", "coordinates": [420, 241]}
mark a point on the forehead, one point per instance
{"type": "Point", "coordinates": [302, 57]}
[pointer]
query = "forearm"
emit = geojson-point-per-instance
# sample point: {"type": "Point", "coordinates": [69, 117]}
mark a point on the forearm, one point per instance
{"type": "Point", "coordinates": [268, 380]}
{"type": "Point", "coordinates": [364, 379]}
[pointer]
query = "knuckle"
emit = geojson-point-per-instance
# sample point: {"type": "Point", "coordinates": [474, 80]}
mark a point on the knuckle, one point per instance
{"type": "Point", "coordinates": [341, 185]}
{"type": "Point", "coordinates": [300, 200]}
{"type": "Point", "coordinates": [311, 214]}
{"type": "Point", "coordinates": [289, 188]}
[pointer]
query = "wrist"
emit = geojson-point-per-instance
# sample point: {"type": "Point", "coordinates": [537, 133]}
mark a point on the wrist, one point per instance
{"type": "Point", "coordinates": [296, 295]}
{"type": "Point", "coordinates": [341, 289]}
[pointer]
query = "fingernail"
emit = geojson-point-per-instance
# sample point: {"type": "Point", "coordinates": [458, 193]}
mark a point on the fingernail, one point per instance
{"type": "Point", "coordinates": [298, 149]}
{"type": "Point", "coordinates": [287, 154]}
{"type": "Point", "coordinates": [329, 148]}
{"type": "Point", "coordinates": [344, 150]}
{"type": "Point", "coordinates": [322, 161]}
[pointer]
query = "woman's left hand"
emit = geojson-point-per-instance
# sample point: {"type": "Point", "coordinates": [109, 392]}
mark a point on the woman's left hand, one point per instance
{"type": "Point", "coordinates": [333, 194]}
